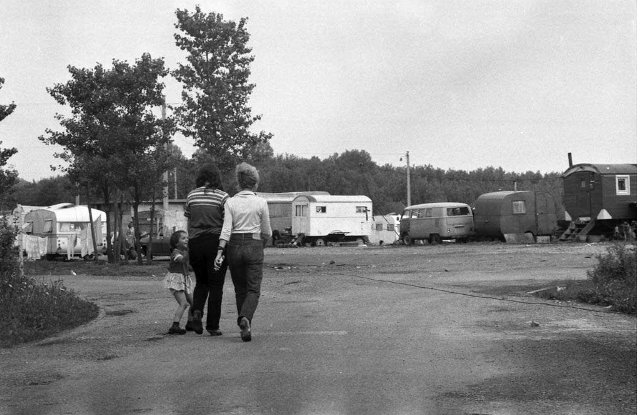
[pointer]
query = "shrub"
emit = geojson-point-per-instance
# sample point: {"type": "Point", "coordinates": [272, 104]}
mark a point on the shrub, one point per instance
{"type": "Point", "coordinates": [615, 278]}
{"type": "Point", "coordinates": [33, 310]}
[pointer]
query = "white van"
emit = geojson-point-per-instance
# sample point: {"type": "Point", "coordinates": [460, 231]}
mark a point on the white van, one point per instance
{"type": "Point", "coordinates": [435, 222]}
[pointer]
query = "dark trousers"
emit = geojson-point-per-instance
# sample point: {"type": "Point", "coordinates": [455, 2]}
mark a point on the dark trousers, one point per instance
{"type": "Point", "coordinates": [246, 256]}
{"type": "Point", "coordinates": [209, 283]}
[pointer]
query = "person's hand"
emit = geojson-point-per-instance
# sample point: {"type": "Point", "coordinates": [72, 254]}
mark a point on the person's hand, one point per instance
{"type": "Point", "coordinates": [218, 263]}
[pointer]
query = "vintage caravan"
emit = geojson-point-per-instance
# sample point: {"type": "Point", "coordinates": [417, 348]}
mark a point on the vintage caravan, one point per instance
{"type": "Point", "coordinates": [385, 229]}
{"type": "Point", "coordinates": [280, 208]}
{"type": "Point", "coordinates": [599, 197]}
{"type": "Point", "coordinates": [65, 230]}
{"type": "Point", "coordinates": [321, 219]}
{"type": "Point", "coordinates": [506, 213]}
{"type": "Point", "coordinates": [436, 221]}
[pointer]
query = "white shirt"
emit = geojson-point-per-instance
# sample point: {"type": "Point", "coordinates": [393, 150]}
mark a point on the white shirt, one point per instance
{"type": "Point", "coordinates": [246, 213]}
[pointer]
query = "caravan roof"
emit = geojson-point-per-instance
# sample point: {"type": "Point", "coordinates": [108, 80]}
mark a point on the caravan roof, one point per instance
{"type": "Point", "coordinates": [336, 198]}
{"type": "Point", "coordinates": [77, 214]}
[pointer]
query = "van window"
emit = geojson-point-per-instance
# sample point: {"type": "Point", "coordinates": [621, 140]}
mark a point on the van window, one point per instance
{"type": "Point", "coordinates": [48, 226]}
{"type": "Point", "coordinates": [321, 209]}
{"type": "Point", "coordinates": [361, 209]}
{"type": "Point", "coordinates": [458, 211]}
{"type": "Point", "coordinates": [518, 207]}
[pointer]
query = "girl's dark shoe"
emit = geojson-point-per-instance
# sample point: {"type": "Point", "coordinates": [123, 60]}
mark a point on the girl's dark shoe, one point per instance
{"type": "Point", "coordinates": [245, 329]}
{"type": "Point", "coordinates": [189, 326]}
{"type": "Point", "coordinates": [214, 332]}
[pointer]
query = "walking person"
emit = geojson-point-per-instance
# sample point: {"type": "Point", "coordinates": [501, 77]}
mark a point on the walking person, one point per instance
{"type": "Point", "coordinates": [178, 280]}
{"type": "Point", "coordinates": [204, 210]}
{"type": "Point", "coordinates": [245, 232]}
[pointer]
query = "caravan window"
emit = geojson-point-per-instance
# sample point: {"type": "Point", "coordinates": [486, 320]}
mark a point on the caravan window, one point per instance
{"type": "Point", "coordinates": [518, 207]}
{"type": "Point", "coordinates": [379, 226]}
{"type": "Point", "coordinates": [390, 227]}
{"type": "Point", "coordinates": [301, 210]}
{"type": "Point", "coordinates": [48, 226]}
{"type": "Point", "coordinates": [321, 209]}
{"type": "Point", "coordinates": [361, 209]}
{"type": "Point", "coordinates": [28, 227]}
{"type": "Point", "coordinates": [623, 185]}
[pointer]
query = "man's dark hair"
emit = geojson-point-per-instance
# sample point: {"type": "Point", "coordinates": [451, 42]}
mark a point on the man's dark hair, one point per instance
{"type": "Point", "coordinates": [209, 173]}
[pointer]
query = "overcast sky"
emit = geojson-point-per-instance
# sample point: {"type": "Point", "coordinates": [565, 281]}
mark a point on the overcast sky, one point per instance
{"type": "Point", "coordinates": [459, 84]}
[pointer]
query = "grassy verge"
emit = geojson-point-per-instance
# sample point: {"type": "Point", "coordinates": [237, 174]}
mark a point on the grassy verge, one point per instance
{"type": "Point", "coordinates": [32, 310]}
{"type": "Point", "coordinates": [612, 282]}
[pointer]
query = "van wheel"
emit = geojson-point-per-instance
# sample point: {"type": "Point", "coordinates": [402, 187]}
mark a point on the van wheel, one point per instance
{"type": "Point", "coordinates": [406, 240]}
{"type": "Point", "coordinates": [435, 238]}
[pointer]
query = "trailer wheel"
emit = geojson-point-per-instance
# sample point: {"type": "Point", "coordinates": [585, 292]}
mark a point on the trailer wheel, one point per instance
{"type": "Point", "coordinates": [360, 241]}
{"type": "Point", "coordinates": [320, 242]}
{"type": "Point", "coordinates": [407, 240]}
{"type": "Point", "coordinates": [435, 238]}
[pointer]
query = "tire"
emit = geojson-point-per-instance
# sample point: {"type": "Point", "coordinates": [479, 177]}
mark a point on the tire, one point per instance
{"type": "Point", "coordinates": [435, 239]}
{"type": "Point", "coordinates": [321, 242]}
{"type": "Point", "coordinates": [360, 241]}
{"type": "Point", "coordinates": [407, 240]}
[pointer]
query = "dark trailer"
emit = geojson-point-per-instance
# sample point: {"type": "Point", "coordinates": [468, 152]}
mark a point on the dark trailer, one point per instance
{"type": "Point", "coordinates": [599, 197]}
{"type": "Point", "coordinates": [500, 214]}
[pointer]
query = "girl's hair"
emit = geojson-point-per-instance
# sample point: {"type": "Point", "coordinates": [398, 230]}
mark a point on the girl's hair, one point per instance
{"type": "Point", "coordinates": [247, 176]}
{"type": "Point", "coordinates": [173, 240]}
{"type": "Point", "coordinates": [209, 173]}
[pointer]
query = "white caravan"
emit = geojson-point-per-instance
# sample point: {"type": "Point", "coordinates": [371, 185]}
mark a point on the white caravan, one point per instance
{"type": "Point", "coordinates": [385, 229]}
{"type": "Point", "coordinates": [322, 219]}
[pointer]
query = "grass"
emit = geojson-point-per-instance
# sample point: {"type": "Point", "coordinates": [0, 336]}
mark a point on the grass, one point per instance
{"type": "Point", "coordinates": [612, 282]}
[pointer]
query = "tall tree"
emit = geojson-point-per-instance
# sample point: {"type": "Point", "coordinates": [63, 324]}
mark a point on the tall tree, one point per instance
{"type": "Point", "coordinates": [214, 110]}
{"type": "Point", "coordinates": [7, 176]}
{"type": "Point", "coordinates": [113, 140]}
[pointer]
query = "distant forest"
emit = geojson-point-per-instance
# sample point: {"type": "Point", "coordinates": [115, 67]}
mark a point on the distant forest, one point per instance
{"type": "Point", "coordinates": [350, 173]}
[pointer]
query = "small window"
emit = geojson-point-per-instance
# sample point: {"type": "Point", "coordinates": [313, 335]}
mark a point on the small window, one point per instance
{"type": "Point", "coordinates": [378, 227]}
{"type": "Point", "coordinates": [623, 185]}
{"type": "Point", "coordinates": [28, 227]}
{"type": "Point", "coordinates": [457, 211]}
{"type": "Point", "coordinates": [361, 209]}
{"type": "Point", "coordinates": [583, 184]}
{"type": "Point", "coordinates": [518, 207]}
{"type": "Point", "coordinates": [321, 209]}
{"type": "Point", "coordinates": [428, 213]}
{"type": "Point", "coordinates": [301, 210]}
{"type": "Point", "coordinates": [48, 226]}
{"type": "Point", "coordinates": [391, 227]}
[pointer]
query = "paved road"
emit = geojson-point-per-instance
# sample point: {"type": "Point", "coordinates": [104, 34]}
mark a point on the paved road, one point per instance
{"type": "Point", "coordinates": [411, 330]}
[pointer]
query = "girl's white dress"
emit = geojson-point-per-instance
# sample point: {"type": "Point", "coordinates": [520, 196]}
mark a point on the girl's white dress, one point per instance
{"type": "Point", "coordinates": [178, 277]}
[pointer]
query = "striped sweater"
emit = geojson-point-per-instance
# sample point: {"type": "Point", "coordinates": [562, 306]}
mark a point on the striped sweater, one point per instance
{"type": "Point", "coordinates": [205, 211]}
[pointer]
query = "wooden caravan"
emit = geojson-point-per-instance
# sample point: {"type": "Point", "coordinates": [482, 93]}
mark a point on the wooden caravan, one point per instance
{"type": "Point", "coordinates": [599, 197]}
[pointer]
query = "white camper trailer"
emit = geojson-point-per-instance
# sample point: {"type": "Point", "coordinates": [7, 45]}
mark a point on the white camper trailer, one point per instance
{"type": "Point", "coordinates": [385, 229]}
{"type": "Point", "coordinates": [322, 219]}
{"type": "Point", "coordinates": [64, 230]}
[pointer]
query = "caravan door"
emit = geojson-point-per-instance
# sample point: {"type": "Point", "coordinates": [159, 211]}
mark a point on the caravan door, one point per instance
{"type": "Point", "coordinates": [300, 222]}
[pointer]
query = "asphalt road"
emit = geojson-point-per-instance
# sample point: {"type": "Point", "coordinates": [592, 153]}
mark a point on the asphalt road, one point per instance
{"type": "Point", "coordinates": [361, 330]}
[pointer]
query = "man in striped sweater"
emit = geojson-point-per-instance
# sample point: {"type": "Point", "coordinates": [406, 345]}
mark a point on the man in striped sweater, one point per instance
{"type": "Point", "coordinates": [204, 210]}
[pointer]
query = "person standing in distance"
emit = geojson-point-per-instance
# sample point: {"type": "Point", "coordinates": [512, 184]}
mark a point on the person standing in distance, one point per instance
{"type": "Point", "coordinates": [245, 232]}
{"type": "Point", "coordinates": [204, 210]}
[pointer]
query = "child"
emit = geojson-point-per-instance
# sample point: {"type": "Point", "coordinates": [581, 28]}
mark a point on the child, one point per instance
{"type": "Point", "coordinates": [178, 280]}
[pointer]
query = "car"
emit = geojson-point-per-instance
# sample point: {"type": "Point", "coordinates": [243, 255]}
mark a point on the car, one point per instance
{"type": "Point", "coordinates": [159, 245]}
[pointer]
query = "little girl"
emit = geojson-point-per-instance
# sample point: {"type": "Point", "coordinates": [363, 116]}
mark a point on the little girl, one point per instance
{"type": "Point", "coordinates": [178, 280]}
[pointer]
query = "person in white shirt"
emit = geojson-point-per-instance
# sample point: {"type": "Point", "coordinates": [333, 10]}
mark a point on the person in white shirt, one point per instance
{"type": "Point", "coordinates": [245, 231]}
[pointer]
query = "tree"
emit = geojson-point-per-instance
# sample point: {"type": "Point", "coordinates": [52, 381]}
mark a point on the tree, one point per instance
{"type": "Point", "coordinates": [113, 141]}
{"type": "Point", "coordinates": [7, 176]}
{"type": "Point", "coordinates": [214, 110]}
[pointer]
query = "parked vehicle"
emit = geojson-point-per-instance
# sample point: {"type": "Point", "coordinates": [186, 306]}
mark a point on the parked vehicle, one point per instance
{"type": "Point", "coordinates": [159, 245]}
{"type": "Point", "coordinates": [322, 219]}
{"type": "Point", "coordinates": [66, 229]}
{"type": "Point", "coordinates": [385, 229]}
{"type": "Point", "coordinates": [598, 198]}
{"type": "Point", "coordinates": [435, 222]}
{"type": "Point", "coordinates": [498, 214]}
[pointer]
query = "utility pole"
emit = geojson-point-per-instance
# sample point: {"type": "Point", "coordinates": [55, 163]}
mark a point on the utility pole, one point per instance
{"type": "Point", "coordinates": [165, 179]}
{"type": "Point", "coordinates": [175, 182]}
{"type": "Point", "coordinates": [408, 181]}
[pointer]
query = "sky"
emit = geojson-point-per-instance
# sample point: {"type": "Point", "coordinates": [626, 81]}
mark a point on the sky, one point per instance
{"type": "Point", "coordinates": [457, 84]}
